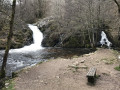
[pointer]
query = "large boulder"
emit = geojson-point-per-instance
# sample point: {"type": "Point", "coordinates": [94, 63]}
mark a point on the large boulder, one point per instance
{"type": "Point", "coordinates": [114, 37]}
{"type": "Point", "coordinates": [55, 37]}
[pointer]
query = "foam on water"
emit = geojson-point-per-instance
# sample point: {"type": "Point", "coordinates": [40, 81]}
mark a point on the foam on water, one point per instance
{"type": "Point", "coordinates": [16, 63]}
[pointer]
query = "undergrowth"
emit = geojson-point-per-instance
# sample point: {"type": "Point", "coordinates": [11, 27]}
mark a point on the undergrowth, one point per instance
{"type": "Point", "coordinates": [117, 68]}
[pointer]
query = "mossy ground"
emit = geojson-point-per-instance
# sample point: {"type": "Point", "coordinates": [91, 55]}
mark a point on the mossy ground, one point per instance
{"type": "Point", "coordinates": [9, 85]}
{"type": "Point", "coordinates": [117, 68]}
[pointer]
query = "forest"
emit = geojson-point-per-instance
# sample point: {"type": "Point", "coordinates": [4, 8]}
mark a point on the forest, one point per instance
{"type": "Point", "coordinates": [60, 40]}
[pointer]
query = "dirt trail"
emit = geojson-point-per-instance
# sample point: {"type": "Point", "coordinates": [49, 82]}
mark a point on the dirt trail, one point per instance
{"type": "Point", "coordinates": [59, 74]}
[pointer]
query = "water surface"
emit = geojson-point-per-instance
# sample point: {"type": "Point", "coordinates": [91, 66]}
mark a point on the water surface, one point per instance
{"type": "Point", "coordinates": [19, 60]}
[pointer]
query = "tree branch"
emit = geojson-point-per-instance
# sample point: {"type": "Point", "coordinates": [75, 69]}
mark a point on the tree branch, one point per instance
{"type": "Point", "coordinates": [118, 4]}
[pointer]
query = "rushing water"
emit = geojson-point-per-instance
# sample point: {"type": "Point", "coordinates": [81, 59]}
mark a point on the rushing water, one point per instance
{"type": "Point", "coordinates": [19, 58]}
{"type": "Point", "coordinates": [37, 40]}
{"type": "Point", "coordinates": [104, 40]}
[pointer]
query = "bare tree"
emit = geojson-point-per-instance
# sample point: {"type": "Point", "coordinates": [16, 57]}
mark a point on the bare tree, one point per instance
{"type": "Point", "coordinates": [8, 40]}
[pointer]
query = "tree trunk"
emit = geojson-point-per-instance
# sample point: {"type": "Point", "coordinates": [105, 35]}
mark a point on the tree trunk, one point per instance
{"type": "Point", "coordinates": [8, 41]}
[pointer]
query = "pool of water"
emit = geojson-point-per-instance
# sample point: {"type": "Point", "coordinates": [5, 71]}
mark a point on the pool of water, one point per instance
{"type": "Point", "coordinates": [19, 60]}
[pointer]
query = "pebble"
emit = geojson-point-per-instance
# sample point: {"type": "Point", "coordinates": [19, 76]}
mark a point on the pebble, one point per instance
{"type": "Point", "coordinates": [76, 63]}
{"type": "Point", "coordinates": [45, 83]}
{"type": "Point", "coordinates": [57, 77]}
{"type": "Point", "coordinates": [82, 61]}
{"type": "Point", "coordinates": [41, 81]}
{"type": "Point", "coordinates": [26, 72]}
{"type": "Point", "coordinates": [6, 84]}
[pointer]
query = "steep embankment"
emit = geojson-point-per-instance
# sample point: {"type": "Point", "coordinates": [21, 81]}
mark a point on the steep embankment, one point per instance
{"type": "Point", "coordinates": [21, 36]}
{"type": "Point", "coordinates": [61, 74]}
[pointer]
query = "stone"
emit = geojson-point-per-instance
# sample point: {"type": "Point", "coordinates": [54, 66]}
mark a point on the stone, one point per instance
{"type": "Point", "coordinates": [82, 61]}
{"type": "Point", "coordinates": [76, 63]}
{"type": "Point", "coordinates": [41, 81]}
{"type": "Point", "coordinates": [58, 77]}
{"type": "Point", "coordinates": [6, 84]}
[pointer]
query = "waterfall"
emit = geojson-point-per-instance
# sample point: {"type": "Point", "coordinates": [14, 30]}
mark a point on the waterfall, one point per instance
{"type": "Point", "coordinates": [10, 2]}
{"type": "Point", "coordinates": [37, 35]}
{"type": "Point", "coordinates": [21, 57]}
{"type": "Point", "coordinates": [104, 40]}
{"type": "Point", "coordinates": [37, 40]}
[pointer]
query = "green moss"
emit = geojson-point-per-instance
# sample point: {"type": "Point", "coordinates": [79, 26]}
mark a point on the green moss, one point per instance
{"type": "Point", "coordinates": [53, 27]}
{"type": "Point", "coordinates": [73, 23]}
{"type": "Point", "coordinates": [9, 85]}
{"type": "Point", "coordinates": [73, 42]}
{"type": "Point", "coordinates": [75, 56]}
{"type": "Point", "coordinates": [97, 76]}
{"type": "Point", "coordinates": [117, 68]}
{"type": "Point", "coordinates": [6, 27]}
{"type": "Point", "coordinates": [87, 46]}
{"type": "Point", "coordinates": [14, 74]}
{"type": "Point", "coordinates": [108, 61]}
{"type": "Point", "coordinates": [40, 62]}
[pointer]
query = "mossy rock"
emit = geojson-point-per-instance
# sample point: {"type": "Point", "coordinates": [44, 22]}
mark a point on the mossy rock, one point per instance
{"type": "Point", "coordinates": [51, 40]}
{"type": "Point", "coordinates": [20, 37]}
{"type": "Point", "coordinates": [73, 42]}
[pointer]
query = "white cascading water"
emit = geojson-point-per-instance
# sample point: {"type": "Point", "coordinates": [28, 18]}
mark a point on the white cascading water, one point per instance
{"type": "Point", "coordinates": [104, 40]}
{"type": "Point", "coordinates": [37, 40]}
{"type": "Point", "coordinates": [28, 55]}
{"type": "Point", "coordinates": [37, 36]}
{"type": "Point", "coordinates": [10, 2]}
